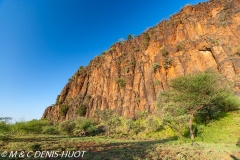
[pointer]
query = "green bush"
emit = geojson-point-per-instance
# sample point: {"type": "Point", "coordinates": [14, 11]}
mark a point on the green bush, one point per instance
{"type": "Point", "coordinates": [81, 110]}
{"type": "Point", "coordinates": [155, 66]}
{"type": "Point", "coordinates": [84, 126]}
{"type": "Point", "coordinates": [67, 127]}
{"type": "Point", "coordinates": [34, 126]}
{"type": "Point", "coordinates": [130, 37]}
{"type": "Point", "coordinates": [164, 52]}
{"type": "Point", "coordinates": [103, 115]}
{"type": "Point", "coordinates": [51, 130]}
{"type": "Point", "coordinates": [157, 82]}
{"type": "Point", "coordinates": [126, 69]}
{"type": "Point", "coordinates": [6, 131]}
{"type": "Point", "coordinates": [121, 82]}
{"type": "Point", "coordinates": [197, 98]}
{"type": "Point", "coordinates": [167, 63]}
{"type": "Point", "coordinates": [152, 124]}
{"type": "Point", "coordinates": [63, 110]}
{"type": "Point", "coordinates": [146, 39]}
{"type": "Point", "coordinates": [35, 147]}
{"type": "Point", "coordinates": [179, 47]}
{"type": "Point", "coordinates": [111, 125]}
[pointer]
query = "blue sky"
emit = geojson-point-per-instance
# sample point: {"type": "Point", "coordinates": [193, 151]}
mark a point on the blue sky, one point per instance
{"type": "Point", "coordinates": [43, 42]}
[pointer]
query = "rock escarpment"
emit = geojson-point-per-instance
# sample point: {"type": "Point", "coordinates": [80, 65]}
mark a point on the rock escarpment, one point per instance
{"type": "Point", "coordinates": [129, 75]}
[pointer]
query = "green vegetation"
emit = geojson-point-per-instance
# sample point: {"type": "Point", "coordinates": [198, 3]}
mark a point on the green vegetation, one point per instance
{"type": "Point", "coordinates": [157, 82]}
{"type": "Point", "coordinates": [129, 37]}
{"type": "Point", "coordinates": [63, 110]}
{"type": "Point", "coordinates": [214, 41]}
{"type": "Point", "coordinates": [84, 127]}
{"type": "Point", "coordinates": [50, 130]}
{"type": "Point", "coordinates": [146, 39]}
{"type": "Point", "coordinates": [118, 62]}
{"type": "Point", "coordinates": [196, 98]}
{"type": "Point", "coordinates": [126, 69]}
{"type": "Point", "coordinates": [141, 138]}
{"type": "Point", "coordinates": [164, 52]}
{"type": "Point", "coordinates": [200, 109]}
{"type": "Point", "coordinates": [167, 63]}
{"type": "Point", "coordinates": [230, 48]}
{"type": "Point", "coordinates": [155, 66]}
{"type": "Point", "coordinates": [35, 147]}
{"type": "Point", "coordinates": [137, 100]}
{"type": "Point", "coordinates": [81, 110]}
{"type": "Point", "coordinates": [67, 127]}
{"type": "Point", "coordinates": [121, 82]}
{"type": "Point", "coordinates": [179, 47]}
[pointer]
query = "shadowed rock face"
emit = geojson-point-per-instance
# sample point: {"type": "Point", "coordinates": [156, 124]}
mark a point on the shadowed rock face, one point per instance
{"type": "Point", "coordinates": [200, 37]}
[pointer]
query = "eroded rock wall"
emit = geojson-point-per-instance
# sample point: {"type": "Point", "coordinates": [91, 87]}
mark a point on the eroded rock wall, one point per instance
{"type": "Point", "coordinates": [200, 37]}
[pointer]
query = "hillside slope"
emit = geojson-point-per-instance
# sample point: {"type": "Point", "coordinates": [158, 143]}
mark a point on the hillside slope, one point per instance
{"type": "Point", "coordinates": [129, 75]}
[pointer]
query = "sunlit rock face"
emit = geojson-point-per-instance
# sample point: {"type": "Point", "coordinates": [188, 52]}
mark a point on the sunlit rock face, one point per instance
{"type": "Point", "coordinates": [128, 77]}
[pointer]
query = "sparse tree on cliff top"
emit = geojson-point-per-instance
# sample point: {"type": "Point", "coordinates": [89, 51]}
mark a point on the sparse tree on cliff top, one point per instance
{"type": "Point", "coordinates": [201, 95]}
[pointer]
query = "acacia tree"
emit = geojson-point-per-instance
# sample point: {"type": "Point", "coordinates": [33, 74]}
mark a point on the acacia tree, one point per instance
{"type": "Point", "coordinates": [202, 95]}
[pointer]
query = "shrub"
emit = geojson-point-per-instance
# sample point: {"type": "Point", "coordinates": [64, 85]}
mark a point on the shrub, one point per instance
{"type": "Point", "coordinates": [137, 100]}
{"type": "Point", "coordinates": [157, 82]}
{"type": "Point", "coordinates": [51, 130]}
{"type": "Point", "coordinates": [152, 124]}
{"type": "Point", "coordinates": [111, 124]}
{"type": "Point", "coordinates": [195, 96]}
{"type": "Point", "coordinates": [81, 110]}
{"type": "Point", "coordinates": [164, 52]}
{"type": "Point", "coordinates": [6, 131]}
{"type": "Point", "coordinates": [129, 37]}
{"type": "Point", "coordinates": [146, 39]}
{"type": "Point", "coordinates": [118, 62]}
{"type": "Point", "coordinates": [35, 147]}
{"type": "Point", "coordinates": [121, 82]}
{"type": "Point", "coordinates": [67, 126]}
{"type": "Point", "coordinates": [167, 63]}
{"type": "Point", "coordinates": [133, 63]}
{"type": "Point", "coordinates": [179, 47]}
{"type": "Point", "coordinates": [103, 115]}
{"type": "Point", "coordinates": [238, 142]}
{"type": "Point", "coordinates": [155, 66]}
{"type": "Point", "coordinates": [126, 69]}
{"type": "Point", "coordinates": [34, 126]}
{"type": "Point", "coordinates": [84, 126]}
{"type": "Point", "coordinates": [63, 110]}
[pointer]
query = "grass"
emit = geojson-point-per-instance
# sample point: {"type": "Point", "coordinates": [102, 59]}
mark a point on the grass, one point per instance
{"type": "Point", "coordinates": [216, 141]}
{"type": "Point", "coordinates": [108, 148]}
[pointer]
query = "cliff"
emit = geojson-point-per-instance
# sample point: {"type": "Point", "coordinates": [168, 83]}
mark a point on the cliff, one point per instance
{"type": "Point", "coordinates": [129, 75]}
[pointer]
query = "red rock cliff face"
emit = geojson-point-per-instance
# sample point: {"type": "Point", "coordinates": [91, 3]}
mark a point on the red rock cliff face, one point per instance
{"type": "Point", "coordinates": [197, 38]}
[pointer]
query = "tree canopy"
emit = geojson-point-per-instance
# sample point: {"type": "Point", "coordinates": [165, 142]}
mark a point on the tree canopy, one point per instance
{"type": "Point", "coordinates": [197, 97]}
